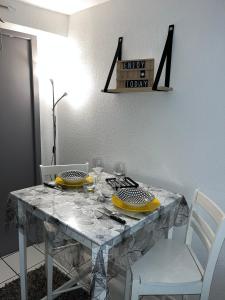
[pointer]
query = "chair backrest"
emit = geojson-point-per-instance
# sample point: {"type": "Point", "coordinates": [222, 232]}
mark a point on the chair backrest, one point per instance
{"type": "Point", "coordinates": [48, 173]}
{"type": "Point", "coordinates": [212, 239]}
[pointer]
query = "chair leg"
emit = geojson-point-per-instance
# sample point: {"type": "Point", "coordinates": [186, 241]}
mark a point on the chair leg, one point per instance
{"type": "Point", "coordinates": [134, 296]}
{"type": "Point", "coordinates": [134, 293]}
{"type": "Point", "coordinates": [128, 284]}
{"type": "Point", "coordinates": [170, 233]}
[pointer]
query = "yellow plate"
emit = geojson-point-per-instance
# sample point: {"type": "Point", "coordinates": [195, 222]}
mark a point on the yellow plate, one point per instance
{"type": "Point", "coordinates": [149, 207]}
{"type": "Point", "coordinates": [88, 180]}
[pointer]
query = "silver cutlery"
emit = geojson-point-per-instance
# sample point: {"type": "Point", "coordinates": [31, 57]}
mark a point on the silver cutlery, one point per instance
{"type": "Point", "coordinates": [113, 216]}
{"type": "Point", "coordinates": [52, 185]}
{"type": "Point", "coordinates": [126, 214]}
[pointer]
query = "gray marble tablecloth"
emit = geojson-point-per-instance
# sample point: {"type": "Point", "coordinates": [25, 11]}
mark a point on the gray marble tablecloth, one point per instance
{"type": "Point", "coordinates": [105, 244]}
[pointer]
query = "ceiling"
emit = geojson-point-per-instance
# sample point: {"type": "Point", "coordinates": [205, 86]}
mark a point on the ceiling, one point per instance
{"type": "Point", "coordinates": [64, 6]}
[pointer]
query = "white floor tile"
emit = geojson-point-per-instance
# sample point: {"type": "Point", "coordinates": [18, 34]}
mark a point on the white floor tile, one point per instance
{"type": "Point", "coordinates": [8, 254]}
{"type": "Point", "coordinates": [8, 281]}
{"type": "Point", "coordinates": [33, 257]}
{"type": "Point", "coordinates": [57, 265]}
{"type": "Point", "coordinates": [37, 266]}
{"type": "Point", "coordinates": [60, 268]}
{"type": "Point", "coordinates": [40, 247]}
{"type": "Point", "coordinates": [5, 272]}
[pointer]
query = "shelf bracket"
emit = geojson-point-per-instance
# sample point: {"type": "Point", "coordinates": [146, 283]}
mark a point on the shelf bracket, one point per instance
{"type": "Point", "coordinates": [118, 55]}
{"type": "Point", "coordinates": [166, 56]}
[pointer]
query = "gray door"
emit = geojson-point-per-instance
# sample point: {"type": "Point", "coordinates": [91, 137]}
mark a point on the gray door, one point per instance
{"type": "Point", "coordinates": [17, 128]}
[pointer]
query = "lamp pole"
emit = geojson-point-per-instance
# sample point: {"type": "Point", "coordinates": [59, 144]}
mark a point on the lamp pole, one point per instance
{"type": "Point", "coordinates": [54, 104]}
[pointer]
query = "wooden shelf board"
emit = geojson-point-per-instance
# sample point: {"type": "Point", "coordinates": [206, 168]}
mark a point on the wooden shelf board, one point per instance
{"type": "Point", "coordinates": [138, 90]}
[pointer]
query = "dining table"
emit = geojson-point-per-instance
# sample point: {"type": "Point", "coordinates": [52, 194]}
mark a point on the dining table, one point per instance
{"type": "Point", "coordinates": [76, 213]}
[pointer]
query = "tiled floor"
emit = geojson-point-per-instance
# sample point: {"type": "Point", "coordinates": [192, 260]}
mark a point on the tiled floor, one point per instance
{"type": "Point", "coordinates": [9, 264]}
{"type": "Point", "coordinates": [9, 270]}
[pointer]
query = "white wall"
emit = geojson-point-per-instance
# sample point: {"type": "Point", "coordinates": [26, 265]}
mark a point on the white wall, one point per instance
{"type": "Point", "coordinates": [52, 52]}
{"type": "Point", "coordinates": [171, 139]}
{"type": "Point", "coordinates": [35, 17]}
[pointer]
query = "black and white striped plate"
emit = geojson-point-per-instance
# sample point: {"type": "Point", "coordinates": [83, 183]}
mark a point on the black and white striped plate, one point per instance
{"type": "Point", "coordinates": [73, 176]}
{"type": "Point", "coordinates": [134, 196]}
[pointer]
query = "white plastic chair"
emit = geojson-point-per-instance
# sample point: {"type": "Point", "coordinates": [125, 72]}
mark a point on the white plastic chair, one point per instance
{"type": "Point", "coordinates": [172, 268]}
{"type": "Point", "coordinates": [49, 173]}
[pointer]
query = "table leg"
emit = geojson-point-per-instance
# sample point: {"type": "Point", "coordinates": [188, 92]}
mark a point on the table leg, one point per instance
{"type": "Point", "coordinates": [128, 284]}
{"type": "Point", "coordinates": [49, 266]}
{"type": "Point", "coordinates": [22, 250]}
{"type": "Point", "coordinates": [99, 284]}
{"type": "Point", "coordinates": [170, 233]}
{"type": "Point", "coordinates": [46, 252]}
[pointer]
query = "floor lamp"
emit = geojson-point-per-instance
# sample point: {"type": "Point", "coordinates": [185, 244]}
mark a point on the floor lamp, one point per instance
{"type": "Point", "coordinates": [54, 104]}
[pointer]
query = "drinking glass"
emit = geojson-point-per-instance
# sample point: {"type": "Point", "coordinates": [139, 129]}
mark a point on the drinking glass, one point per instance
{"type": "Point", "coordinates": [97, 167]}
{"type": "Point", "coordinates": [119, 170]}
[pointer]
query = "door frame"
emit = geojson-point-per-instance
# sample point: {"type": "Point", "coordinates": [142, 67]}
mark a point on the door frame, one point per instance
{"type": "Point", "coordinates": [34, 87]}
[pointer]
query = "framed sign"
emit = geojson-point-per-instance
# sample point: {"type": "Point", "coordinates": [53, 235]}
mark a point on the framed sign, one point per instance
{"type": "Point", "coordinates": [138, 73]}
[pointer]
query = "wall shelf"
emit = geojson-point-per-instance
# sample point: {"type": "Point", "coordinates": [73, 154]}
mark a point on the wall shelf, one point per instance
{"type": "Point", "coordinates": [166, 57]}
{"type": "Point", "coordinates": [138, 90]}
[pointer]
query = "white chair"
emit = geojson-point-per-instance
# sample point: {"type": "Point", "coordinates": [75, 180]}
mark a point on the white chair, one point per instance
{"type": "Point", "coordinates": [49, 173]}
{"type": "Point", "coordinates": [172, 268]}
